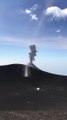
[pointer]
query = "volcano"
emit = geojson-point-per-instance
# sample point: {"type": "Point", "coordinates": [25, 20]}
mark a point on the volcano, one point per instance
{"type": "Point", "coordinates": [32, 66]}
{"type": "Point", "coordinates": [40, 90]}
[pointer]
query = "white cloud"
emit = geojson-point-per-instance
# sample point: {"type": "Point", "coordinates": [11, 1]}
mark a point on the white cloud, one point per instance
{"type": "Point", "coordinates": [9, 40]}
{"type": "Point", "coordinates": [33, 17]}
{"type": "Point", "coordinates": [34, 7]}
{"type": "Point", "coordinates": [29, 12]}
{"type": "Point", "coordinates": [47, 42]}
{"type": "Point", "coordinates": [53, 42]}
{"type": "Point", "coordinates": [20, 11]}
{"type": "Point", "coordinates": [56, 12]}
{"type": "Point", "coordinates": [58, 30]}
{"type": "Point", "coordinates": [26, 11]}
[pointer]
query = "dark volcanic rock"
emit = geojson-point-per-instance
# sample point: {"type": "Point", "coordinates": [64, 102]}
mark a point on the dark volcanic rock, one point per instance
{"type": "Point", "coordinates": [19, 92]}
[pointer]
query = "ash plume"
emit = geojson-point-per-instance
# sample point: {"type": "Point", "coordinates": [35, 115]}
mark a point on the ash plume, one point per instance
{"type": "Point", "coordinates": [32, 53]}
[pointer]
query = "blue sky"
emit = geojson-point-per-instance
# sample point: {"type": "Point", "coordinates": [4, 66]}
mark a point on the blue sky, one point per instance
{"type": "Point", "coordinates": [39, 22]}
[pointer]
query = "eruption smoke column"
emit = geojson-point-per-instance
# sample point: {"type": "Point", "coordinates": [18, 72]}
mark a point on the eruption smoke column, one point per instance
{"type": "Point", "coordinates": [32, 54]}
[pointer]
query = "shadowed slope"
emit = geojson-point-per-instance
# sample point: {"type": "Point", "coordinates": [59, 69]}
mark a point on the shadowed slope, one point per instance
{"type": "Point", "coordinates": [18, 92]}
{"type": "Point", "coordinates": [16, 72]}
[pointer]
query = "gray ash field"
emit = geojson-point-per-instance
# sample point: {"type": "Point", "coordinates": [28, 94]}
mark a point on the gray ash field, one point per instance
{"type": "Point", "coordinates": [29, 115]}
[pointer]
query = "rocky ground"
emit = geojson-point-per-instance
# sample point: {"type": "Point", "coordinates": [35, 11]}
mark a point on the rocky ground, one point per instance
{"type": "Point", "coordinates": [29, 115]}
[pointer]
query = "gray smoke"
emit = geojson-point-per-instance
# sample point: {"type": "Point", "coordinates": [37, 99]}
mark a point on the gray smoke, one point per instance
{"type": "Point", "coordinates": [32, 53]}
